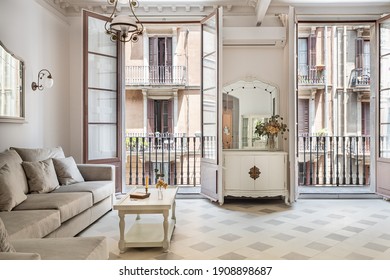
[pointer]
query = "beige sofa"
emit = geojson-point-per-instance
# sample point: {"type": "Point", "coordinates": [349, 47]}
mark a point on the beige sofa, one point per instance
{"type": "Point", "coordinates": [57, 211]}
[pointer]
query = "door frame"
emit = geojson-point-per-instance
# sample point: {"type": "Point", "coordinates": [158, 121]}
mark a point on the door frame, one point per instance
{"type": "Point", "coordinates": [115, 161]}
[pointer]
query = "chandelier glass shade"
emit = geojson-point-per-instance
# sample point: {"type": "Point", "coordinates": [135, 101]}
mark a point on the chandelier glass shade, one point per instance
{"type": "Point", "coordinates": [124, 28]}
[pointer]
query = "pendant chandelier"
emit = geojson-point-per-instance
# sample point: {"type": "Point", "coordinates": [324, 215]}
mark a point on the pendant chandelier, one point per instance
{"type": "Point", "coordinates": [124, 28]}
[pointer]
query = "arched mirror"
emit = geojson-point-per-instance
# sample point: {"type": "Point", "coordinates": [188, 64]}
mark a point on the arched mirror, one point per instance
{"type": "Point", "coordinates": [245, 104]}
{"type": "Point", "coordinates": [11, 86]}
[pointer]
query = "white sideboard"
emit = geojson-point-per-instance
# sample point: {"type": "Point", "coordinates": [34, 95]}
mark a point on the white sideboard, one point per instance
{"type": "Point", "coordinates": [255, 174]}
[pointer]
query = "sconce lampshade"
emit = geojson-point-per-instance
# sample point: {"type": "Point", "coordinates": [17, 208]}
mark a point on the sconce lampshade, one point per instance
{"type": "Point", "coordinates": [45, 80]}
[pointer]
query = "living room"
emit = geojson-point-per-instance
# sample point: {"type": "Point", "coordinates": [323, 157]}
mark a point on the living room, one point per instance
{"type": "Point", "coordinates": [52, 38]}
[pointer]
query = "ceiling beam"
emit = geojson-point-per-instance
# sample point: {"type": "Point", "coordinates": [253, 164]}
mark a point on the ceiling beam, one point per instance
{"type": "Point", "coordinates": [261, 10]}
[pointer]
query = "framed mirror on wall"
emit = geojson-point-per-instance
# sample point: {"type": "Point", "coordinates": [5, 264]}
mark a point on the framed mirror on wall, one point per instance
{"type": "Point", "coordinates": [246, 103]}
{"type": "Point", "coordinates": [11, 87]}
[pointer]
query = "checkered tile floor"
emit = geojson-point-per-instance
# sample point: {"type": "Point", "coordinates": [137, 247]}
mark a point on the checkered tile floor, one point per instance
{"type": "Point", "coordinates": [357, 229]}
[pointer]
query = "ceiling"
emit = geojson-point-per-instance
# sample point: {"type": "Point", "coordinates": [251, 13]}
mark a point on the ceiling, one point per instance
{"type": "Point", "coordinates": [155, 8]}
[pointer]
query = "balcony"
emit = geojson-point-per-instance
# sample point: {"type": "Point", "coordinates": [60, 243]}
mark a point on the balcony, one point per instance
{"type": "Point", "coordinates": [334, 160]}
{"type": "Point", "coordinates": [360, 77]}
{"type": "Point", "coordinates": [310, 75]}
{"type": "Point", "coordinates": [175, 155]}
{"type": "Point", "coordinates": [155, 75]}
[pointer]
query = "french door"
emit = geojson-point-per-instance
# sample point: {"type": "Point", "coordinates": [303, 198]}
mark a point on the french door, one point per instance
{"type": "Point", "coordinates": [383, 135]}
{"type": "Point", "coordinates": [211, 105]}
{"type": "Point", "coordinates": [102, 96]}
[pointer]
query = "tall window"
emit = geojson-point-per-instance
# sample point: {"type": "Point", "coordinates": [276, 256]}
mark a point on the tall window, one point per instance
{"type": "Point", "coordinates": [160, 116]}
{"type": "Point", "coordinates": [160, 59]}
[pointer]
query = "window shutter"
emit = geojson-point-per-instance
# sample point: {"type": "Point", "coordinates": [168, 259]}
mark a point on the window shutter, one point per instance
{"type": "Point", "coordinates": [359, 53]}
{"type": "Point", "coordinates": [168, 59]}
{"type": "Point", "coordinates": [151, 116]}
{"type": "Point", "coordinates": [366, 118]}
{"type": "Point", "coordinates": [312, 43]}
{"type": "Point", "coordinates": [303, 116]}
{"type": "Point", "coordinates": [170, 116]}
{"type": "Point", "coordinates": [153, 60]}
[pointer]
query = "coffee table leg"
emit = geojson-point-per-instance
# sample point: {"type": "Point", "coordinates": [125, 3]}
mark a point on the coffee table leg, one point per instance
{"type": "Point", "coordinates": [121, 243]}
{"type": "Point", "coordinates": [165, 224]}
{"type": "Point", "coordinates": [174, 210]}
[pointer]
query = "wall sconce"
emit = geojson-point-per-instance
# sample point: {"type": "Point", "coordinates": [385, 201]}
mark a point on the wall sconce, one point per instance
{"type": "Point", "coordinates": [47, 83]}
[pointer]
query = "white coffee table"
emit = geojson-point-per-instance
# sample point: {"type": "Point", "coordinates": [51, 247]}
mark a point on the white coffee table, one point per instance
{"type": "Point", "coordinates": [147, 233]}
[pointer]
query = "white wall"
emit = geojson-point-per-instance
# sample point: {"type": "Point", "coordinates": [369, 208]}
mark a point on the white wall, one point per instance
{"type": "Point", "coordinates": [41, 39]}
{"type": "Point", "coordinates": [263, 63]}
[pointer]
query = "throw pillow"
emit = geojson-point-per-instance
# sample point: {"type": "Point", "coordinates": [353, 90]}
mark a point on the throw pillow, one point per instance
{"type": "Point", "coordinates": [67, 171]}
{"type": "Point", "coordinates": [5, 245]}
{"type": "Point", "coordinates": [14, 161]}
{"type": "Point", "coordinates": [32, 154]}
{"type": "Point", "coordinates": [10, 192]}
{"type": "Point", "coordinates": [41, 176]}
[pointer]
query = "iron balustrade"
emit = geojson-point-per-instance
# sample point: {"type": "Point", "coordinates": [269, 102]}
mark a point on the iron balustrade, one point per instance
{"type": "Point", "coordinates": [155, 75]}
{"type": "Point", "coordinates": [175, 155]}
{"type": "Point", "coordinates": [334, 160]}
{"type": "Point", "coordinates": [310, 75]}
{"type": "Point", "coordinates": [360, 77]}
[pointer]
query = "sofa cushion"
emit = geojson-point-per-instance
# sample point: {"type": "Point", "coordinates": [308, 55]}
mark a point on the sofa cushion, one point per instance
{"type": "Point", "coordinates": [74, 248]}
{"type": "Point", "coordinates": [31, 223]}
{"type": "Point", "coordinates": [29, 154]}
{"type": "Point", "coordinates": [99, 189]}
{"type": "Point", "coordinates": [5, 245]}
{"type": "Point", "coordinates": [10, 193]}
{"type": "Point", "coordinates": [41, 176]}
{"type": "Point", "coordinates": [14, 161]}
{"type": "Point", "coordinates": [67, 171]}
{"type": "Point", "coordinates": [69, 204]}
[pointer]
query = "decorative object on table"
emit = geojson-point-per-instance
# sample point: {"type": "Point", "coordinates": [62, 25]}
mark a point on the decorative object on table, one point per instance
{"type": "Point", "coordinates": [146, 184]}
{"type": "Point", "coordinates": [160, 185]}
{"type": "Point", "coordinates": [139, 195]}
{"type": "Point", "coordinates": [271, 128]}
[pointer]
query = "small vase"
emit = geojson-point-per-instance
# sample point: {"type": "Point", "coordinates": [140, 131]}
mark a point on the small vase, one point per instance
{"type": "Point", "coordinates": [160, 194]}
{"type": "Point", "coordinates": [271, 142]}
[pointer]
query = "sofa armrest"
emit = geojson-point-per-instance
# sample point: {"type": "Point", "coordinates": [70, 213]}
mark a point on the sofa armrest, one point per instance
{"type": "Point", "coordinates": [97, 172]}
{"type": "Point", "coordinates": [19, 256]}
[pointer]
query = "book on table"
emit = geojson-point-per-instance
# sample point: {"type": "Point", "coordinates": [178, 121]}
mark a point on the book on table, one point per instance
{"type": "Point", "coordinates": [139, 195]}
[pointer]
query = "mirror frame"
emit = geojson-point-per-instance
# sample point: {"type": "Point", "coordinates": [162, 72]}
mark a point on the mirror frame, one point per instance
{"type": "Point", "coordinates": [17, 118]}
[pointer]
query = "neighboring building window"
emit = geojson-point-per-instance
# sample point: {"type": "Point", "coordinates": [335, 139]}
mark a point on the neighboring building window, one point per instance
{"type": "Point", "coordinates": [302, 60]}
{"type": "Point", "coordinates": [160, 116]}
{"type": "Point", "coordinates": [160, 60]}
{"type": "Point", "coordinates": [362, 63]}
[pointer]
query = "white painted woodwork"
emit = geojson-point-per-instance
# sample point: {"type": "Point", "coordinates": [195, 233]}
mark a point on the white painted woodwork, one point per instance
{"type": "Point", "coordinates": [153, 231]}
{"type": "Point", "coordinates": [271, 182]}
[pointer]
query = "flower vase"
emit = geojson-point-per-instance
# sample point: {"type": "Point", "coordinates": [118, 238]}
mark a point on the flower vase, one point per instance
{"type": "Point", "coordinates": [271, 142]}
{"type": "Point", "coordinates": [160, 194]}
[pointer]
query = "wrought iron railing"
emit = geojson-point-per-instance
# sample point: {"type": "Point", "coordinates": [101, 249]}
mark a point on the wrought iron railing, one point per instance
{"type": "Point", "coordinates": [360, 77]}
{"type": "Point", "coordinates": [155, 75]}
{"type": "Point", "coordinates": [334, 160]}
{"type": "Point", "coordinates": [310, 75]}
{"type": "Point", "coordinates": [175, 155]}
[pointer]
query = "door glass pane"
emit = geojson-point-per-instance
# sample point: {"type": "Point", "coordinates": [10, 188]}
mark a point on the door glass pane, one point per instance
{"type": "Point", "coordinates": [102, 141]}
{"type": "Point", "coordinates": [101, 72]}
{"type": "Point", "coordinates": [98, 40]}
{"type": "Point", "coordinates": [384, 90]}
{"type": "Point", "coordinates": [102, 106]}
{"type": "Point", "coordinates": [210, 89]}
